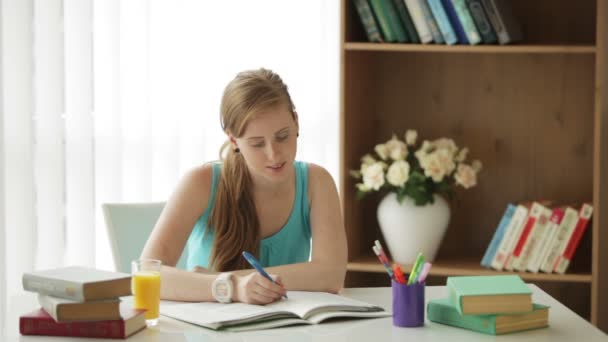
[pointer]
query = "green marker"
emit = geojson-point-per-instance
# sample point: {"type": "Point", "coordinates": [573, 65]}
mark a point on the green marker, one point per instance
{"type": "Point", "coordinates": [416, 269]}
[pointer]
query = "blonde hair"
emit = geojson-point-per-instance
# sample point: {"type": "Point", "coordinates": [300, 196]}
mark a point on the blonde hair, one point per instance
{"type": "Point", "coordinates": [234, 218]}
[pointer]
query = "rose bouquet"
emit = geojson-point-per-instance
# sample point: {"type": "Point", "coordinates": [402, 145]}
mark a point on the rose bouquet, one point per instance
{"type": "Point", "coordinates": [416, 170]}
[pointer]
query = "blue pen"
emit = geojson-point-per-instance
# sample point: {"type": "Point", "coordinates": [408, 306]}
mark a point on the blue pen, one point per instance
{"type": "Point", "coordinates": [256, 264]}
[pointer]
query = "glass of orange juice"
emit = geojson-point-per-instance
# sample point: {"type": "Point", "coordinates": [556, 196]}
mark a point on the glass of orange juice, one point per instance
{"type": "Point", "coordinates": [145, 285]}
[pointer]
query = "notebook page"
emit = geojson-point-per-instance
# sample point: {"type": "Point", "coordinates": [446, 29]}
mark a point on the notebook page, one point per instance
{"type": "Point", "coordinates": [214, 315]}
{"type": "Point", "coordinates": [303, 303]}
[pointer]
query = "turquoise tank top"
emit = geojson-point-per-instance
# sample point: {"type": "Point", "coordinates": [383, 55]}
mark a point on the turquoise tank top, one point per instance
{"type": "Point", "coordinates": [289, 245]}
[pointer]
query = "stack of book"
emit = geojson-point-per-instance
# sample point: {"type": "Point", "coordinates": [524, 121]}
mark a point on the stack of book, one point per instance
{"type": "Point", "coordinates": [439, 21]}
{"type": "Point", "coordinates": [536, 236]}
{"type": "Point", "coordinates": [79, 301]}
{"type": "Point", "coordinates": [489, 304]}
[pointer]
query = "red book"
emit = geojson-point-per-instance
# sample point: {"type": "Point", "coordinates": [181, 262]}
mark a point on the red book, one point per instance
{"type": "Point", "coordinates": [562, 263]}
{"type": "Point", "coordinates": [38, 322]}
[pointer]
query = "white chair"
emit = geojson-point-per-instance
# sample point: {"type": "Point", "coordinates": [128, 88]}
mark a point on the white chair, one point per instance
{"type": "Point", "coordinates": [129, 225]}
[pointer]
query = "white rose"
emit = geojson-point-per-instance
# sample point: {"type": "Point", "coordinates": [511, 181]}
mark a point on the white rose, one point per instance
{"type": "Point", "coordinates": [432, 167]}
{"type": "Point", "coordinates": [446, 160]}
{"type": "Point", "coordinates": [362, 187]}
{"type": "Point", "coordinates": [396, 148]}
{"type": "Point", "coordinates": [411, 136]}
{"type": "Point", "coordinates": [382, 151]}
{"type": "Point", "coordinates": [367, 159]}
{"type": "Point", "coordinates": [465, 176]}
{"type": "Point", "coordinates": [398, 173]}
{"type": "Point", "coordinates": [445, 143]}
{"type": "Point", "coordinates": [462, 155]}
{"type": "Point", "coordinates": [373, 176]}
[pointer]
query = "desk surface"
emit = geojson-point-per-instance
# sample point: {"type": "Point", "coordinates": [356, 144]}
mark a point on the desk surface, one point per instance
{"type": "Point", "coordinates": [564, 325]}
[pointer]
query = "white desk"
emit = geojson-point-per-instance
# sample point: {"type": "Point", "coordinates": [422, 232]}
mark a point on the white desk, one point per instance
{"type": "Point", "coordinates": [564, 325]}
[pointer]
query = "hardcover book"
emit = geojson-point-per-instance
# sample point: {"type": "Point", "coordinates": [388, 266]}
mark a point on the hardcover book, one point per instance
{"type": "Point", "coordinates": [563, 261]}
{"type": "Point", "coordinates": [482, 22]}
{"type": "Point", "coordinates": [540, 253]}
{"type": "Point", "coordinates": [506, 26]}
{"type": "Point", "coordinates": [406, 20]}
{"type": "Point", "coordinates": [441, 311]}
{"type": "Point", "coordinates": [431, 22]}
{"type": "Point", "coordinates": [369, 22]}
{"type": "Point", "coordinates": [301, 308]}
{"type": "Point", "coordinates": [39, 322]}
{"type": "Point", "coordinates": [475, 295]}
{"type": "Point", "coordinates": [415, 10]}
{"type": "Point", "coordinates": [443, 22]}
{"type": "Point", "coordinates": [389, 21]}
{"type": "Point", "coordinates": [498, 236]}
{"type": "Point", "coordinates": [78, 283]}
{"type": "Point", "coordinates": [67, 310]}
{"type": "Point", "coordinates": [464, 16]}
{"type": "Point", "coordinates": [532, 244]}
{"type": "Point", "coordinates": [565, 229]}
{"type": "Point", "coordinates": [536, 211]}
{"type": "Point", "coordinates": [508, 241]}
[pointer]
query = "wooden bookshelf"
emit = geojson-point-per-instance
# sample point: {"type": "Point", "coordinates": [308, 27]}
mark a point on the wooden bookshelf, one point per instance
{"type": "Point", "coordinates": [584, 49]}
{"type": "Point", "coordinates": [535, 114]}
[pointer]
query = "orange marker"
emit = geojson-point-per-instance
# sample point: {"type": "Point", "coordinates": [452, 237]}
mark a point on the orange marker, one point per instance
{"type": "Point", "coordinates": [398, 274]}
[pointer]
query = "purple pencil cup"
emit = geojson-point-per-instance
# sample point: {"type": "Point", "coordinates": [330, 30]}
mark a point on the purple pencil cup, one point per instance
{"type": "Point", "coordinates": [408, 305]}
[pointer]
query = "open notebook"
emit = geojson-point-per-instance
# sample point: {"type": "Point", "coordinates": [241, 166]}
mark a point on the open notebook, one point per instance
{"type": "Point", "coordinates": [300, 308]}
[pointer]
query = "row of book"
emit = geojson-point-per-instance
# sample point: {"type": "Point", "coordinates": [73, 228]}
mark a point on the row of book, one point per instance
{"type": "Point", "coordinates": [439, 21]}
{"type": "Point", "coordinates": [489, 304]}
{"type": "Point", "coordinates": [537, 237]}
{"type": "Point", "coordinates": [82, 302]}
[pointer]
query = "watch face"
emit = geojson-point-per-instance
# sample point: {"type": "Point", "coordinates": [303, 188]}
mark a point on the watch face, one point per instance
{"type": "Point", "coordinates": [221, 289]}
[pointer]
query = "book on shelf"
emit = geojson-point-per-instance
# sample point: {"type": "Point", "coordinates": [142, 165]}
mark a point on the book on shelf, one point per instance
{"type": "Point", "coordinates": [504, 23]}
{"type": "Point", "coordinates": [542, 250]}
{"type": "Point", "coordinates": [39, 322]}
{"type": "Point", "coordinates": [450, 11]}
{"type": "Point", "coordinates": [390, 23]}
{"type": "Point", "coordinates": [443, 22]}
{"type": "Point", "coordinates": [532, 243]}
{"type": "Point", "coordinates": [492, 249]}
{"type": "Point", "coordinates": [368, 21]}
{"type": "Point", "coordinates": [505, 247]}
{"type": "Point", "coordinates": [301, 308]}
{"type": "Point", "coordinates": [406, 20]}
{"type": "Point", "coordinates": [442, 311]}
{"type": "Point", "coordinates": [522, 231]}
{"type": "Point", "coordinates": [415, 9]}
{"type": "Point", "coordinates": [78, 283]}
{"type": "Point", "coordinates": [562, 235]}
{"type": "Point", "coordinates": [430, 22]}
{"type": "Point", "coordinates": [489, 294]}
{"type": "Point", "coordinates": [563, 260]}
{"type": "Point", "coordinates": [465, 19]}
{"type": "Point", "coordinates": [517, 261]}
{"type": "Point", "coordinates": [68, 310]}
{"type": "Point", "coordinates": [482, 22]}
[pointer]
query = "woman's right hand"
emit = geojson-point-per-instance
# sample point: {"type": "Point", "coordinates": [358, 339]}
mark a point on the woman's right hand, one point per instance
{"type": "Point", "coordinates": [254, 288]}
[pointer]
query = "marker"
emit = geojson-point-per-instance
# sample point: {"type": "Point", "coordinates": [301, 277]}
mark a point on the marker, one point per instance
{"type": "Point", "coordinates": [416, 268]}
{"type": "Point", "coordinates": [424, 273]}
{"type": "Point", "coordinates": [399, 276]}
{"type": "Point", "coordinates": [256, 264]}
{"type": "Point", "coordinates": [383, 262]}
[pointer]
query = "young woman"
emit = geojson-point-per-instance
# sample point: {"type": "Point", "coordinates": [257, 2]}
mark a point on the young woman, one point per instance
{"type": "Point", "coordinates": [259, 200]}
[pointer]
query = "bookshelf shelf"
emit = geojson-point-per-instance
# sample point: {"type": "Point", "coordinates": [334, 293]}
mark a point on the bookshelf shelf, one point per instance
{"type": "Point", "coordinates": [535, 114]}
{"type": "Point", "coordinates": [575, 49]}
{"type": "Point", "coordinates": [369, 263]}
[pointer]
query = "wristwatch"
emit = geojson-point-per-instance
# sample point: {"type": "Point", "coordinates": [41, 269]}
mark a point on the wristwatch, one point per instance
{"type": "Point", "coordinates": [222, 288]}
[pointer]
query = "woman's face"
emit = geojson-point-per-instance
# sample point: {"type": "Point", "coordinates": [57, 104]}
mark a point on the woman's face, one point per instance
{"type": "Point", "coordinates": [269, 145]}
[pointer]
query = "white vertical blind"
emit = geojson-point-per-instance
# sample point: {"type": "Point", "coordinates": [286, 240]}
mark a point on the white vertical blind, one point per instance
{"type": "Point", "coordinates": [49, 158]}
{"type": "Point", "coordinates": [2, 193]}
{"type": "Point", "coordinates": [17, 101]}
{"type": "Point", "coordinates": [79, 177]}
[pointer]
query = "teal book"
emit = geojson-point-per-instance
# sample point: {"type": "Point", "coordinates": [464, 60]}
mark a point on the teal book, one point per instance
{"type": "Point", "coordinates": [408, 24]}
{"type": "Point", "coordinates": [369, 22]}
{"type": "Point", "coordinates": [498, 235]}
{"type": "Point", "coordinates": [477, 295]}
{"type": "Point", "coordinates": [389, 21]}
{"type": "Point", "coordinates": [468, 25]}
{"type": "Point", "coordinates": [442, 311]}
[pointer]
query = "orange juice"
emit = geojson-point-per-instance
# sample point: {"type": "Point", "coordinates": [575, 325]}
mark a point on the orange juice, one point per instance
{"type": "Point", "coordinates": [146, 292]}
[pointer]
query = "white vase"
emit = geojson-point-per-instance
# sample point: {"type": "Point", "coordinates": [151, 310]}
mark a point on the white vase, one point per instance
{"type": "Point", "coordinates": [409, 229]}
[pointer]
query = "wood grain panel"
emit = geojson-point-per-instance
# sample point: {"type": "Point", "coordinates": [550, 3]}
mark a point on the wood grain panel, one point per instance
{"type": "Point", "coordinates": [599, 288]}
